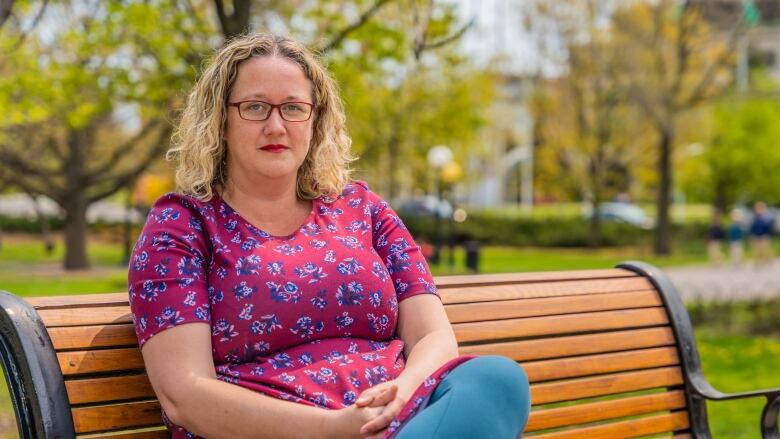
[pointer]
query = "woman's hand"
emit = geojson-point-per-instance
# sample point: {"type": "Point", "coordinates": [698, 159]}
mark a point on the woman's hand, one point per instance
{"type": "Point", "coordinates": [373, 411]}
{"type": "Point", "coordinates": [383, 395]}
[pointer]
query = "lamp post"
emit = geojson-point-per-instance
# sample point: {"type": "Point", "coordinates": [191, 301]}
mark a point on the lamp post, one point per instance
{"type": "Point", "coordinates": [438, 157]}
{"type": "Point", "coordinates": [450, 174]}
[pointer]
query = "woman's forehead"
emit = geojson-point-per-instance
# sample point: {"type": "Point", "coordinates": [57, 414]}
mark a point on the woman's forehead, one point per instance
{"type": "Point", "coordinates": [271, 77]}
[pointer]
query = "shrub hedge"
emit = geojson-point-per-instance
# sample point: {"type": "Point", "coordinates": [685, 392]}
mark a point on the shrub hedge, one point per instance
{"type": "Point", "coordinates": [487, 229]}
{"type": "Point", "coordinates": [549, 232]}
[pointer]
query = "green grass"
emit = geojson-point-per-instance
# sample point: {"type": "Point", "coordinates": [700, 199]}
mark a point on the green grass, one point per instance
{"type": "Point", "coordinates": [734, 364]}
{"type": "Point", "coordinates": [27, 270]}
{"type": "Point", "coordinates": [26, 249]}
{"type": "Point", "coordinates": [511, 259]}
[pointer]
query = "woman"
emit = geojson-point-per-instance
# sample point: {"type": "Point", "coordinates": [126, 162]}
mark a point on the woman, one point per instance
{"type": "Point", "coordinates": [272, 287]}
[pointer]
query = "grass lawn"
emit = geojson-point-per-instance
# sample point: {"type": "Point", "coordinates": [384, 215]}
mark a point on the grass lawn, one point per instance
{"type": "Point", "coordinates": [513, 259]}
{"type": "Point", "coordinates": [734, 364]}
{"type": "Point", "coordinates": [26, 269]}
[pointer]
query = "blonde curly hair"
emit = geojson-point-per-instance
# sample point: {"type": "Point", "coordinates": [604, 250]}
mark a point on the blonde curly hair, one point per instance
{"type": "Point", "coordinates": [198, 145]}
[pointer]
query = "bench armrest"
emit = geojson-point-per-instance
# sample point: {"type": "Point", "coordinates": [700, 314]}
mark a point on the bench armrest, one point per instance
{"type": "Point", "coordinates": [769, 415]}
{"type": "Point", "coordinates": [32, 372]}
{"type": "Point", "coordinates": [698, 387]}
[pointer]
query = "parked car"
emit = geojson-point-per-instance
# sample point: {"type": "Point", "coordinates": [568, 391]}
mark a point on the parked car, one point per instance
{"type": "Point", "coordinates": [626, 213]}
{"type": "Point", "coordinates": [424, 206]}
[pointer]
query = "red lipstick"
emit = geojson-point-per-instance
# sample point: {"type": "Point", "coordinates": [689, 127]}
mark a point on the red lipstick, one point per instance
{"type": "Point", "coordinates": [274, 148]}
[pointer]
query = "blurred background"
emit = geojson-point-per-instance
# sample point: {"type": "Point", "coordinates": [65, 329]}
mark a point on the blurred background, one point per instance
{"type": "Point", "coordinates": [510, 135]}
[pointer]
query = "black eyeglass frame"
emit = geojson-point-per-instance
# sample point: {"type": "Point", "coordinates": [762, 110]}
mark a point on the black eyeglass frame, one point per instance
{"type": "Point", "coordinates": [277, 107]}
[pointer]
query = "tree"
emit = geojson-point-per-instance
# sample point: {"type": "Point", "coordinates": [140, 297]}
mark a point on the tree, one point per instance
{"type": "Point", "coordinates": [84, 111]}
{"type": "Point", "coordinates": [584, 117]}
{"type": "Point", "coordinates": [672, 62]}
{"type": "Point", "coordinates": [86, 106]}
{"type": "Point", "coordinates": [738, 162]}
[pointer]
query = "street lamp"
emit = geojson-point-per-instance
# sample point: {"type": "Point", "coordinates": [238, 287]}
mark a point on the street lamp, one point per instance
{"type": "Point", "coordinates": [438, 157]}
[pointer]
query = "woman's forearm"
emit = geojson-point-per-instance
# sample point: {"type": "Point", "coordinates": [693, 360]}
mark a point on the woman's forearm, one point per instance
{"type": "Point", "coordinates": [216, 409]}
{"type": "Point", "coordinates": [424, 357]}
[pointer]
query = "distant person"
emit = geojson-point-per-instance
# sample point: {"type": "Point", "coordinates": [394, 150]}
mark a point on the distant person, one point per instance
{"type": "Point", "coordinates": [715, 235]}
{"type": "Point", "coordinates": [761, 233]}
{"type": "Point", "coordinates": [736, 236]}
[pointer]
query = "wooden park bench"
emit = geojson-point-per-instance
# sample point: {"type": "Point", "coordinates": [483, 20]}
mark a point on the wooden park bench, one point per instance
{"type": "Point", "coordinates": [609, 353]}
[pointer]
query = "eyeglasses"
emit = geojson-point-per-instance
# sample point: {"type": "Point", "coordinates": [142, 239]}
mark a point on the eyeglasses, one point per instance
{"type": "Point", "coordinates": [258, 110]}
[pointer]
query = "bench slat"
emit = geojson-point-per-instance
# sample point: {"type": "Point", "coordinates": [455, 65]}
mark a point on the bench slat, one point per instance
{"type": "Point", "coordinates": [102, 315]}
{"type": "Point", "coordinates": [78, 300]}
{"type": "Point", "coordinates": [543, 289]}
{"type": "Point", "coordinates": [154, 434]}
{"type": "Point", "coordinates": [626, 429]}
{"type": "Point", "coordinates": [123, 335]}
{"type": "Point", "coordinates": [116, 417]}
{"type": "Point", "coordinates": [570, 390]}
{"type": "Point", "coordinates": [84, 337]}
{"type": "Point", "coordinates": [109, 389]}
{"type": "Point", "coordinates": [556, 347]}
{"type": "Point", "coordinates": [475, 312]}
{"type": "Point", "coordinates": [457, 313]}
{"type": "Point", "coordinates": [599, 364]}
{"type": "Point", "coordinates": [549, 276]}
{"type": "Point", "coordinates": [550, 325]}
{"type": "Point", "coordinates": [105, 360]}
{"type": "Point", "coordinates": [604, 410]}
{"type": "Point", "coordinates": [114, 360]}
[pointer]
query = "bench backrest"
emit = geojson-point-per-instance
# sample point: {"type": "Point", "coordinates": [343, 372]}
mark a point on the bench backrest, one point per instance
{"type": "Point", "coordinates": [597, 346]}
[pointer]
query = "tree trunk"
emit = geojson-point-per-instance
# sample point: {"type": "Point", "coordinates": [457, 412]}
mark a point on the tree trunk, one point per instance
{"type": "Point", "coordinates": [594, 237]}
{"type": "Point", "coordinates": [721, 203]}
{"type": "Point", "coordinates": [662, 232]}
{"type": "Point", "coordinates": [596, 170]}
{"type": "Point", "coordinates": [394, 149]}
{"type": "Point", "coordinates": [76, 231]}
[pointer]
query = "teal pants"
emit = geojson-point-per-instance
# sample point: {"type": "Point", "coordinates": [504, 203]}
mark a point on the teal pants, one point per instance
{"type": "Point", "coordinates": [487, 397]}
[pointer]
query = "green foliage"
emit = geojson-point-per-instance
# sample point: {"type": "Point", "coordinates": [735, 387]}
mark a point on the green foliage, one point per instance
{"type": "Point", "coordinates": [572, 231]}
{"type": "Point", "coordinates": [734, 363]}
{"type": "Point", "coordinates": [741, 161]}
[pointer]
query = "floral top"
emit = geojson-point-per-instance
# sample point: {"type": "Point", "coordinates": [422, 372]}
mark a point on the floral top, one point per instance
{"type": "Point", "coordinates": [309, 317]}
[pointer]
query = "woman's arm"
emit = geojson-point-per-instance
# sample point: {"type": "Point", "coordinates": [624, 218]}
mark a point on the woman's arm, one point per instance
{"type": "Point", "coordinates": [429, 343]}
{"type": "Point", "coordinates": [428, 337]}
{"type": "Point", "coordinates": [181, 370]}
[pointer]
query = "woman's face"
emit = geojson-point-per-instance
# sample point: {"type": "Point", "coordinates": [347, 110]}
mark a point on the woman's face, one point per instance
{"type": "Point", "coordinates": [273, 148]}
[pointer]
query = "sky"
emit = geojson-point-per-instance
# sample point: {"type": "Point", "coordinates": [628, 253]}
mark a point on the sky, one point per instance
{"type": "Point", "coordinates": [502, 35]}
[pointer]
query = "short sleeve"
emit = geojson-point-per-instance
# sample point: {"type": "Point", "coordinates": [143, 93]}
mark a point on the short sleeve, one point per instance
{"type": "Point", "coordinates": [402, 256]}
{"type": "Point", "coordinates": [167, 270]}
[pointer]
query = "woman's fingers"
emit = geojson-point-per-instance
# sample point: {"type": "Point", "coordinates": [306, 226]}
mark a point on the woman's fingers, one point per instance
{"type": "Point", "coordinates": [376, 435]}
{"type": "Point", "coordinates": [369, 396]}
{"type": "Point", "coordinates": [388, 394]}
{"type": "Point", "coordinates": [381, 422]}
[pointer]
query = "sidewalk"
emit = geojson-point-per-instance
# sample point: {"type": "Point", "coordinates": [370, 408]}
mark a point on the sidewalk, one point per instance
{"type": "Point", "coordinates": [727, 282]}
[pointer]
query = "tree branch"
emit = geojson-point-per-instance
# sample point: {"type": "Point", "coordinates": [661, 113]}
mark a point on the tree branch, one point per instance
{"type": "Point", "coordinates": [5, 10]}
{"type": "Point", "coordinates": [447, 40]}
{"type": "Point", "coordinates": [23, 34]}
{"type": "Point", "coordinates": [235, 23]}
{"type": "Point", "coordinates": [698, 93]}
{"type": "Point", "coordinates": [124, 178]}
{"type": "Point", "coordinates": [120, 152]}
{"type": "Point", "coordinates": [342, 35]}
